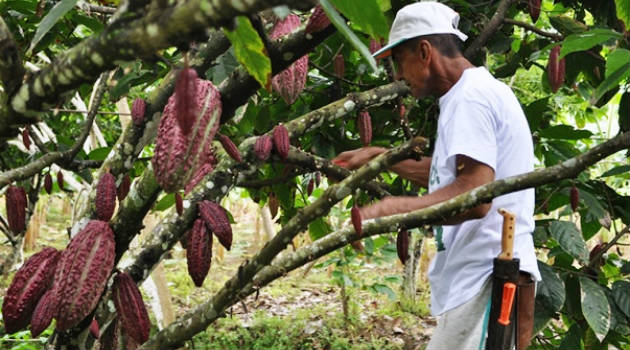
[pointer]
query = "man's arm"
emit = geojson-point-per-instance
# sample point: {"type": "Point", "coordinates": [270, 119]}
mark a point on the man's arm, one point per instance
{"type": "Point", "coordinates": [470, 174]}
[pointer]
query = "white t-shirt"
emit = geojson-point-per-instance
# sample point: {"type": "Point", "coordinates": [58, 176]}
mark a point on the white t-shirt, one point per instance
{"type": "Point", "coordinates": [480, 118]}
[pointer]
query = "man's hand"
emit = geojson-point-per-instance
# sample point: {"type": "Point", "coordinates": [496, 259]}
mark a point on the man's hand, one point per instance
{"type": "Point", "coordinates": [356, 158]}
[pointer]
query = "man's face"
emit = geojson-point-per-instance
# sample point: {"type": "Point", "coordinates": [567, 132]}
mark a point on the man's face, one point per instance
{"type": "Point", "coordinates": [412, 65]}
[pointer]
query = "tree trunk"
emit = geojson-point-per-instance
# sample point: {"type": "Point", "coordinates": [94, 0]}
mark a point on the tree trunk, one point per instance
{"type": "Point", "coordinates": [410, 273]}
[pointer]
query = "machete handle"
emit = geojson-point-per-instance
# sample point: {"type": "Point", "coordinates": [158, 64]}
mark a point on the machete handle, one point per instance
{"type": "Point", "coordinates": [509, 290]}
{"type": "Point", "coordinates": [507, 235]}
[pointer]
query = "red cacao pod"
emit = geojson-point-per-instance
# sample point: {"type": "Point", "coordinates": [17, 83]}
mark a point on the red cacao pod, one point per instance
{"type": "Point", "coordinates": [575, 198]}
{"type": "Point", "coordinates": [82, 273]}
{"type": "Point", "coordinates": [318, 21]}
{"type": "Point", "coordinates": [16, 208]}
{"type": "Point", "coordinates": [402, 245]}
{"type": "Point", "coordinates": [30, 282]}
{"type": "Point", "coordinates": [310, 186]}
{"type": "Point", "coordinates": [318, 178]}
{"type": "Point", "coordinates": [199, 175]}
{"type": "Point", "coordinates": [595, 251]}
{"type": "Point", "coordinates": [339, 65]}
{"type": "Point", "coordinates": [43, 313]}
{"type": "Point", "coordinates": [290, 82]}
{"type": "Point", "coordinates": [534, 9]}
{"type": "Point", "coordinates": [364, 124]}
{"type": "Point", "coordinates": [105, 202]}
{"type": "Point", "coordinates": [60, 180]}
{"type": "Point", "coordinates": [48, 183]}
{"type": "Point", "coordinates": [230, 148]}
{"type": "Point", "coordinates": [26, 138]}
{"type": "Point", "coordinates": [199, 252]}
{"type": "Point", "coordinates": [138, 108]}
{"type": "Point", "coordinates": [179, 156]}
{"type": "Point", "coordinates": [262, 147]}
{"type": "Point", "coordinates": [357, 245]}
{"type": "Point", "coordinates": [123, 187]}
{"type": "Point", "coordinates": [401, 111]}
{"type": "Point", "coordinates": [130, 308]}
{"type": "Point", "coordinates": [281, 141]}
{"type": "Point", "coordinates": [94, 329]}
{"type": "Point", "coordinates": [111, 336]}
{"type": "Point", "coordinates": [555, 69]}
{"type": "Point", "coordinates": [355, 215]}
{"type": "Point", "coordinates": [179, 203]}
{"type": "Point", "coordinates": [274, 204]}
{"type": "Point", "coordinates": [218, 222]}
{"type": "Point", "coordinates": [375, 45]}
{"type": "Point", "coordinates": [185, 93]}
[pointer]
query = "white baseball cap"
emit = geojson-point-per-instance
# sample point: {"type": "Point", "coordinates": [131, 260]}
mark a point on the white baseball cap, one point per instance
{"type": "Point", "coordinates": [421, 18]}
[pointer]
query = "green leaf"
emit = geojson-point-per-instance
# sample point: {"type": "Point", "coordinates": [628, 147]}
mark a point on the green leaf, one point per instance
{"type": "Point", "coordinates": [624, 112]}
{"type": "Point", "coordinates": [60, 9]}
{"type": "Point", "coordinates": [570, 239]}
{"type": "Point", "coordinates": [623, 11]}
{"type": "Point", "coordinates": [165, 202]}
{"type": "Point", "coordinates": [365, 14]}
{"type": "Point", "coordinates": [567, 25]}
{"type": "Point", "coordinates": [250, 51]}
{"type": "Point", "coordinates": [550, 295]}
{"type": "Point", "coordinates": [384, 289]}
{"type": "Point", "coordinates": [621, 295]}
{"type": "Point", "coordinates": [99, 153]}
{"type": "Point", "coordinates": [586, 40]}
{"type": "Point", "coordinates": [564, 132]}
{"type": "Point", "coordinates": [573, 338]}
{"type": "Point", "coordinates": [347, 33]}
{"type": "Point", "coordinates": [318, 228]}
{"type": "Point", "coordinates": [612, 81]}
{"type": "Point", "coordinates": [595, 307]}
{"type": "Point", "coordinates": [622, 169]}
{"type": "Point", "coordinates": [616, 59]}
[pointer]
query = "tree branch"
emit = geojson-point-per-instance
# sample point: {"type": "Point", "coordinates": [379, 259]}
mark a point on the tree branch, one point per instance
{"type": "Point", "coordinates": [595, 260]}
{"type": "Point", "coordinates": [531, 28]}
{"type": "Point", "coordinates": [491, 27]}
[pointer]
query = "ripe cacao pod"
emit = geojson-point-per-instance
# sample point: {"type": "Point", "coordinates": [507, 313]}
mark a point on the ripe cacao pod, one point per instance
{"type": "Point", "coordinates": [339, 66]}
{"type": "Point", "coordinates": [357, 245]}
{"type": "Point", "coordinates": [401, 111]}
{"type": "Point", "coordinates": [290, 82]}
{"type": "Point", "coordinates": [364, 123]}
{"type": "Point", "coordinates": [596, 251]}
{"type": "Point", "coordinates": [218, 222]}
{"type": "Point", "coordinates": [105, 202]}
{"type": "Point", "coordinates": [262, 147]}
{"type": "Point", "coordinates": [575, 198]}
{"type": "Point", "coordinates": [130, 308]}
{"type": "Point", "coordinates": [16, 208]}
{"type": "Point", "coordinates": [318, 21]}
{"type": "Point", "coordinates": [179, 156]}
{"type": "Point", "coordinates": [123, 187]}
{"type": "Point", "coordinates": [199, 252]}
{"type": "Point", "coordinates": [310, 186]}
{"type": "Point", "coordinates": [48, 183]}
{"type": "Point", "coordinates": [355, 215]}
{"type": "Point", "coordinates": [60, 180]}
{"type": "Point", "coordinates": [94, 329]}
{"type": "Point", "coordinates": [26, 138]}
{"type": "Point", "coordinates": [274, 204]}
{"type": "Point", "coordinates": [185, 93]}
{"type": "Point", "coordinates": [82, 273]}
{"type": "Point", "coordinates": [30, 282]}
{"type": "Point", "coordinates": [179, 203]}
{"type": "Point", "coordinates": [402, 245]}
{"type": "Point", "coordinates": [199, 175]}
{"type": "Point", "coordinates": [534, 9]}
{"type": "Point", "coordinates": [281, 141]}
{"type": "Point", "coordinates": [138, 108]}
{"type": "Point", "coordinates": [555, 69]}
{"type": "Point", "coordinates": [43, 313]}
{"type": "Point", "coordinates": [230, 148]}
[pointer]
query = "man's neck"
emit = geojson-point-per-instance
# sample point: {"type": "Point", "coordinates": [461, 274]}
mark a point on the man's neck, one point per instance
{"type": "Point", "coordinates": [447, 72]}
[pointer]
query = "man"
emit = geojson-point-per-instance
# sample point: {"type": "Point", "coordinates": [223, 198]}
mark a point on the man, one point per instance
{"type": "Point", "coordinates": [483, 135]}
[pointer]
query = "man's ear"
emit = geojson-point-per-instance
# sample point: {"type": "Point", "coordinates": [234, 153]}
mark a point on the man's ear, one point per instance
{"type": "Point", "coordinates": [424, 49]}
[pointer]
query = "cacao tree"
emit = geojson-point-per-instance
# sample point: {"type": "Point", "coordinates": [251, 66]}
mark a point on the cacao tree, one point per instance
{"type": "Point", "coordinates": [154, 105]}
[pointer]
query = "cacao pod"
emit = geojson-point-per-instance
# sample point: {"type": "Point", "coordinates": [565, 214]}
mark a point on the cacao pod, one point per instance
{"type": "Point", "coordinates": [281, 141]}
{"type": "Point", "coordinates": [309, 188]}
{"type": "Point", "coordinates": [555, 69]}
{"type": "Point", "coordinates": [179, 203]}
{"type": "Point", "coordinates": [230, 148]}
{"type": "Point", "coordinates": [94, 329]}
{"type": "Point", "coordinates": [130, 308]}
{"type": "Point", "coordinates": [138, 108]}
{"type": "Point", "coordinates": [109, 340]}
{"type": "Point", "coordinates": [123, 187]}
{"type": "Point", "coordinates": [60, 180]}
{"type": "Point", "coordinates": [364, 123]}
{"type": "Point", "coordinates": [179, 156]}
{"type": "Point", "coordinates": [339, 66]}
{"type": "Point", "coordinates": [402, 245]}
{"type": "Point", "coordinates": [199, 252]}
{"type": "Point", "coordinates": [48, 183]}
{"type": "Point", "coordinates": [26, 138]}
{"type": "Point", "coordinates": [401, 111]}
{"type": "Point", "coordinates": [290, 82]}
{"type": "Point", "coordinates": [199, 175]}
{"type": "Point", "coordinates": [375, 45]}
{"type": "Point", "coordinates": [534, 9]}
{"type": "Point", "coordinates": [318, 21]}
{"type": "Point", "coordinates": [105, 202]}
{"type": "Point", "coordinates": [318, 178]}
{"type": "Point", "coordinates": [218, 222]}
{"type": "Point", "coordinates": [357, 245]}
{"type": "Point", "coordinates": [185, 94]}
{"type": "Point", "coordinates": [273, 204]}
{"type": "Point", "coordinates": [595, 251]}
{"type": "Point", "coordinates": [30, 282]}
{"type": "Point", "coordinates": [575, 198]}
{"type": "Point", "coordinates": [43, 313]}
{"type": "Point", "coordinates": [82, 273]}
{"type": "Point", "coordinates": [262, 147]}
{"type": "Point", "coordinates": [16, 208]}
{"type": "Point", "coordinates": [355, 215]}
